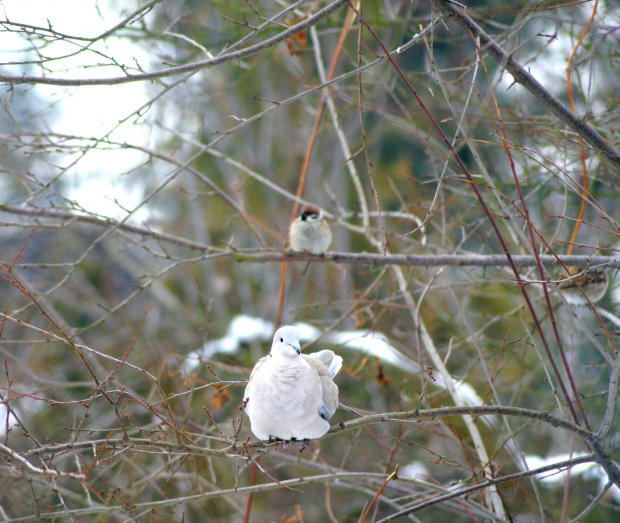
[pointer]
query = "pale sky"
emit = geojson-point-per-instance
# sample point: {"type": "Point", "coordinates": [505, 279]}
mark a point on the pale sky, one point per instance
{"type": "Point", "coordinates": [86, 111]}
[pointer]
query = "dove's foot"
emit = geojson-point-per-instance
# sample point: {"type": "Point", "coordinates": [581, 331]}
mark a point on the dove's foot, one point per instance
{"type": "Point", "coordinates": [303, 443]}
{"type": "Point", "coordinates": [285, 442]}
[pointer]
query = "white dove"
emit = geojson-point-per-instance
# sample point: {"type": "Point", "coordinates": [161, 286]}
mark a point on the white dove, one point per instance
{"type": "Point", "coordinates": [291, 395]}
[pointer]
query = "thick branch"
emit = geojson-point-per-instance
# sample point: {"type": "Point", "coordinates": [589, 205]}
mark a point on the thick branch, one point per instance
{"type": "Point", "coordinates": [478, 410]}
{"type": "Point", "coordinates": [114, 444]}
{"type": "Point", "coordinates": [522, 77]}
{"type": "Point", "coordinates": [431, 260]}
{"type": "Point", "coordinates": [260, 256]}
{"type": "Point", "coordinates": [242, 449]}
{"type": "Point", "coordinates": [591, 439]}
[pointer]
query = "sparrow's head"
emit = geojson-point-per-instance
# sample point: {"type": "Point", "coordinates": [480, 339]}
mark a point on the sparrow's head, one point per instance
{"type": "Point", "coordinates": [310, 213]}
{"type": "Point", "coordinates": [286, 342]}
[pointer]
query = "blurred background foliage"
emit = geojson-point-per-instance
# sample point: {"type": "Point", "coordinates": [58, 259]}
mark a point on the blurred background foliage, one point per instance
{"type": "Point", "coordinates": [78, 292]}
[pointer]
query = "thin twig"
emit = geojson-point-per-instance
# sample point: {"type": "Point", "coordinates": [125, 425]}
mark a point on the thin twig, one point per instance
{"type": "Point", "coordinates": [181, 69]}
{"type": "Point", "coordinates": [521, 76]}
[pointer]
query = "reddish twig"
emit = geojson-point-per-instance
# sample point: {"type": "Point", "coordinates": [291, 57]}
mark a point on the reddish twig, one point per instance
{"type": "Point", "coordinates": [308, 155]}
{"type": "Point", "coordinates": [582, 149]}
{"type": "Point", "coordinates": [392, 475]}
{"type": "Point", "coordinates": [485, 208]}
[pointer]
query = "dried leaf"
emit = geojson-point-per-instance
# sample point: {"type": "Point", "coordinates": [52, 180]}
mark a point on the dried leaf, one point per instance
{"type": "Point", "coordinates": [381, 378]}
{"type": "Point", "coordinates": [295, 518]}
{"type": "Point", "coordinates": [221, 397]}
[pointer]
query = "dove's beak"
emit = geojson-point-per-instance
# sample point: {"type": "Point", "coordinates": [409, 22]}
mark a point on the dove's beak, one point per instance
{"type": "Point", "coordinates": [297, 349]}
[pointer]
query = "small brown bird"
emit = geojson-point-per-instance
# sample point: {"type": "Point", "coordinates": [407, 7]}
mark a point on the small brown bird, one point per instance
{"type": "Point", "coordinates": [591, 282]}
{"type": "Point", "coordinates": [310, 232]}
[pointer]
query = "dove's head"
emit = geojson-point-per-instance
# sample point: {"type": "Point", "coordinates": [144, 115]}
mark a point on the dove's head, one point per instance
{"type": "Point", "coordinates": [286, 342]}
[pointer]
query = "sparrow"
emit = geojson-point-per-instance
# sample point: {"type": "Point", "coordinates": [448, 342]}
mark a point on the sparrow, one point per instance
{"type": "Point", "coordinates": [310, 232]}
{"type": "Point", "coordinates": [291, 395]}
{"type": "Point", "coordinates": [591, 282]}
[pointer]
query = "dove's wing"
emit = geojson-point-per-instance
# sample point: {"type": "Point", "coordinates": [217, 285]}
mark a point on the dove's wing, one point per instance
{"type": "Point", "coordinates": [324, 363]}
{"type": "Point", "coordinates": [332, 362]}
{"type": "Point", "coordinates": [248, 387]}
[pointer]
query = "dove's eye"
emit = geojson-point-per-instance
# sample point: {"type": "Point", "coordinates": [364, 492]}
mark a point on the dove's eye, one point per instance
{"type": "Point", "coordinates": [282, 340]}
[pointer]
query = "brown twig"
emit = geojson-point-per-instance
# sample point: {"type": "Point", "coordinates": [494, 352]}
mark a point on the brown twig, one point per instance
{"type": "Point", "coordinates": [582, 149]}
{"type": "Point", "coordinates": [391, 476]}
{"type": "Point", "coordinates": [521, 76]}
{"type": "Point", "coordinates": [181, 69]}
{"type": "Point", "coordinates": [309, 148]}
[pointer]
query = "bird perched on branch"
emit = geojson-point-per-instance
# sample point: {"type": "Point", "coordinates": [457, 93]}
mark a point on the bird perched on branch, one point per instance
{"type": "Point", "coordinates": [291, 395]}
{"type": "Point", "coordinates": [310, 232]}
{"type": "Point", "coordinates": [581, 282]}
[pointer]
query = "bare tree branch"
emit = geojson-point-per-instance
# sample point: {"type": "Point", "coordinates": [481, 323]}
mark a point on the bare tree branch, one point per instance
{"type": "Point", "coordinates": [522, 77]}
{"type": "Point", "coordinates": [181, 69]}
